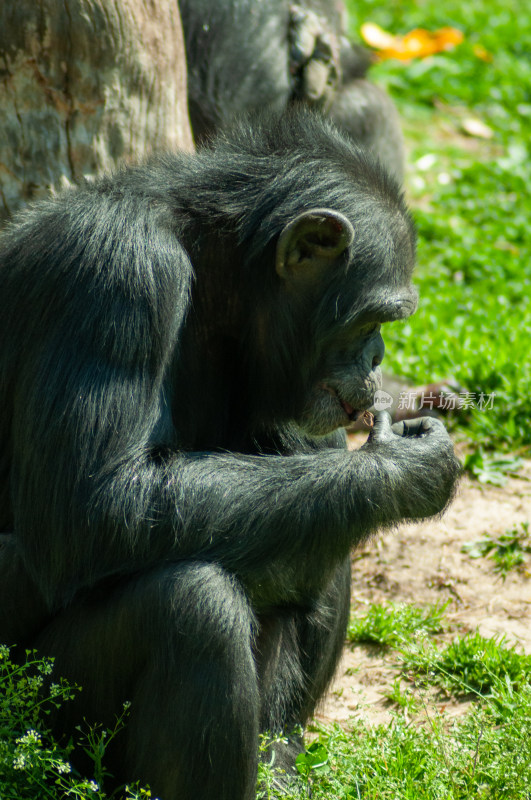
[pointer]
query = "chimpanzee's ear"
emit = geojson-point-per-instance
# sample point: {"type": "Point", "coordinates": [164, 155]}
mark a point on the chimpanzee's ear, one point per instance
{"type": "Point", "coordinates": [311, 241]}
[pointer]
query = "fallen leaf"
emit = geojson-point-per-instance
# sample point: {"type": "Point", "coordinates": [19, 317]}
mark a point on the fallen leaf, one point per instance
{"type": "Point", "coordinates": [426, 161]}
{"type": "Point", "coordinates": [418, 43]}
{"type": "Point", "coordinates": [376, 37]}
{"type": "Point", "coordinates": [475, 127]}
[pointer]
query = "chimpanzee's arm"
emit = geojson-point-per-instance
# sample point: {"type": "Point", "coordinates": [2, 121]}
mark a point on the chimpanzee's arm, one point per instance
{"type": "Point", "coordinates": [237, 58]}
{"type": "Point", "coordinates": [95, 499]}
{"type": "Point", "coordinates": [280, 523]}
{"type": "Point", "coordinates": [99, 486]}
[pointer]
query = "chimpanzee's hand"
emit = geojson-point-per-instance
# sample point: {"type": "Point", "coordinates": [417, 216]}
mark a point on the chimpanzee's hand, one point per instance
{"type": "Point", "coordinates": [417, 457]}
{"type": "Point", "coordinates": [313, 57]}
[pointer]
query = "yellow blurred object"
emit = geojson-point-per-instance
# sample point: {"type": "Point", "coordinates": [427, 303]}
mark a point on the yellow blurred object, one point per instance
{"type": "Point", "coordinates": [418, 43]}
{"type": "Point", "coordinates": [480, 52]}
{"type": "Point", "coordinates": [376, 37]}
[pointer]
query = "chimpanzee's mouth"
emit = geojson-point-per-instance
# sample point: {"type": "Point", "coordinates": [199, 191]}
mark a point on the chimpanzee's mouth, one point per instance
{"type": "Point", "coordinates": [352, 413]}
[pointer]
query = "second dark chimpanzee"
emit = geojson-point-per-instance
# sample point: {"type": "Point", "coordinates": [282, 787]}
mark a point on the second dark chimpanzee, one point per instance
{"type": "Point", "coordinates": [181, 344]}
{"type": "Point", "coordinates": [244, 55]}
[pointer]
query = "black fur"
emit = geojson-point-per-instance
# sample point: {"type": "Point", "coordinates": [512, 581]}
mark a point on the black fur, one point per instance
{"type": "Point", "coordinates": [181, 535]}
{"type": "Point", "coordinates": [243, 56]}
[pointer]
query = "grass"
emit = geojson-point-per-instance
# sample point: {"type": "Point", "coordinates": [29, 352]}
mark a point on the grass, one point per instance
{"type": "Point", "coordinates": [472, 206]}
{"type": "Point", "coordinates": [489, 468]}
{"type": "Point", "coordinates": [393, 624]}
{"type": "Point", "coordinates": [508, 551]}
{"type": "Point", "coordinates": [424, 754]}
{"type": "Point", "coordinates": [438, 760]}
{"type": "Point", "coordinates": [469, 664]}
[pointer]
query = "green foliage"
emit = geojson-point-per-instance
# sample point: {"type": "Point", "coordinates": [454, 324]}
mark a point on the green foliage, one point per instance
{"type": "Point", "coordinates": [491, 469]}
{"type": "Point", "coordinates": [314, 757]}
{"type": "Point", "coordinates": [486, 753]}
{"type": "Point", "coordinates": [32, 765]}
{"type": "Point", "coordinates": [441, 759]}
{"type": "Point", "coordinates": [508, 551]}
{"type": "Point", "coordinates": [393, 625]}
{"type": "Point", "coordinates": [499, 85]}
{"type": "Point", "coordinates": [470, 663]}
{"type": "Point", "coordinates": [471, 204]}
{"type": "Point", "coordinates": [404, 698]}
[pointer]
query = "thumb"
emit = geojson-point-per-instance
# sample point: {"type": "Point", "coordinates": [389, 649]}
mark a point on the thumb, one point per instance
{"type": "Point", "coordinates": [381, 430]}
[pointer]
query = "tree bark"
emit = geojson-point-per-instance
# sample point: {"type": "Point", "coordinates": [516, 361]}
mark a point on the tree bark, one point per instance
{"type": "Point", "coordinates": [85, 85]}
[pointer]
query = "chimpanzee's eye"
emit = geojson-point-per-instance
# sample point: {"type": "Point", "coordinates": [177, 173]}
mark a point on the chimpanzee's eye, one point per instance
{"type": "Point", "coordinates": [373, 327]}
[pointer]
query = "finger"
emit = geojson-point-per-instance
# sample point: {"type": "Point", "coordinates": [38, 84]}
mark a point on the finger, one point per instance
{"type": "Point", "coordinates": [413, 427]}
{"type": "Point", "coordinates": [382, 426]}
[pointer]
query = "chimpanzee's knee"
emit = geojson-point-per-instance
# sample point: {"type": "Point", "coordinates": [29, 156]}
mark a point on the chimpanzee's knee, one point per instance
{"type": "Point", "coordinates": [205, 606]}
{"type": "Point", "coordinates": [175, 642]}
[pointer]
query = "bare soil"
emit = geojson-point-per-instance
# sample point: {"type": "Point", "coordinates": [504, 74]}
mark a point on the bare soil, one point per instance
{"type": "Point", "coordinates": [423, 563]}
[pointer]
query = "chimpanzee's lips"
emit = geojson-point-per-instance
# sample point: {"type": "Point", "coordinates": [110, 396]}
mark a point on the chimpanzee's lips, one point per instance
{"type": "Point", "coordinates": [352, 413]}
{"type": "Point", "coordinates": [347, 408]}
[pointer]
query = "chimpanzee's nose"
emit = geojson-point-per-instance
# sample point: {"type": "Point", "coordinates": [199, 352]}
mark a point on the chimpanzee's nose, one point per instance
{"type": "Point", "coordinates": [378, 352]}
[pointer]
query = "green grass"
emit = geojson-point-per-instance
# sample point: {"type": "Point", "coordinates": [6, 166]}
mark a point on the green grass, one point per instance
{"type": "Point", "coordinates": [438, 760]}
{"type": "Point", "coordinates": [424, 754]}
{"type": "Point", "coordinates": [472, 206]}
{"type": "Point", "coordinates": [485, 753]}
{"type": "Point", "coordinates": [468, 664]}
{"type": "Point", "coordinates": [394, 624]}
{"type": "Point", "coordinates": [509, 551]}
{"type": "Point", "coordinates": [491, 468]}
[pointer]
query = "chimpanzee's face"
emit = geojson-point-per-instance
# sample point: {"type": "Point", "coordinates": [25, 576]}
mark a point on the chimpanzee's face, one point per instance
{"type": "Point", "coordinates": [355, 294]}
{"type": "Point", "coordinates": [350, 376]}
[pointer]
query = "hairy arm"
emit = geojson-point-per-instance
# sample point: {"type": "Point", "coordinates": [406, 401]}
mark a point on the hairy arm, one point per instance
{"type": "Point", "coordinates": [99, 487]}
{"type": "Point", "coordinates": [96, 498]}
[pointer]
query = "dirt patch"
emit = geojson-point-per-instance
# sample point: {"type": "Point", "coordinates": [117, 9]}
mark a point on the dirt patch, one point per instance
{"type": "Point", "coordinates": [423, 563]}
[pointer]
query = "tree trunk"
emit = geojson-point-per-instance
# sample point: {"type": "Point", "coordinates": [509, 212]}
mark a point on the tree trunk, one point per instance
{"type": "Point", "coordinates": [85, 85]}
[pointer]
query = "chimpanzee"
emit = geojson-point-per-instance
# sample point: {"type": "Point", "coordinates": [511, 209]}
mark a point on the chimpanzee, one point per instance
{"type": "Point", "coordinates": [243, 55]}
{"type": "Point", "coordinates": [182, 344]}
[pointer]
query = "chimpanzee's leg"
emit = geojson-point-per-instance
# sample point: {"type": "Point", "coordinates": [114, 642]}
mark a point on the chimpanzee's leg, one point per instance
{"type": "Point", "coordinates": [322, 636]}
{"type": "Point", "coordinates": [177, 643]}
{"type": "Point", "coordinates": [22, 609]}
{"type": "Point", "coordinates": [297, 653]}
